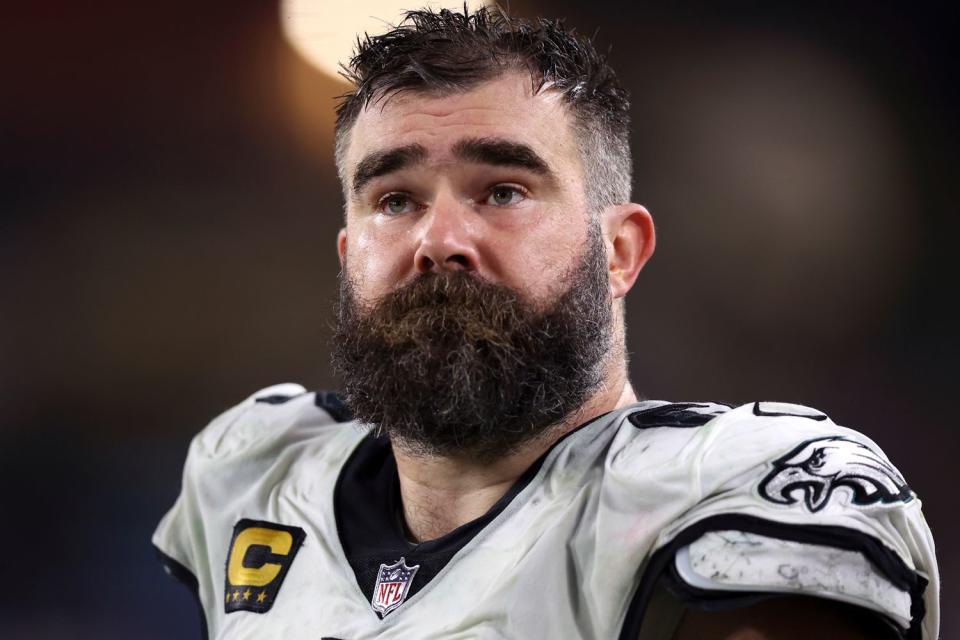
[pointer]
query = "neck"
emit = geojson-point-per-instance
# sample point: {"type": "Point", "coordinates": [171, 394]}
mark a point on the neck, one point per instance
{"type": "Point", "coordinates": [440, 494]}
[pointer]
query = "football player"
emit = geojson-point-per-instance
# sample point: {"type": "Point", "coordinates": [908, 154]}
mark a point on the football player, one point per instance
{"type": "Point", "coordinates": [489, 471]}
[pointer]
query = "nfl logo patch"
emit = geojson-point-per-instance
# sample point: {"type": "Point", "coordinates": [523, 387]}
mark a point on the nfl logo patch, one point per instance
{"type": "Point", "coordinates": [392, 586]}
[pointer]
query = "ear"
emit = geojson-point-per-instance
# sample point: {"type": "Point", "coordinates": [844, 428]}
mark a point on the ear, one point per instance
{"type": "Point", "coordinates": [342, 245]}
{"type": "Point", "coordinates": [630, 239]}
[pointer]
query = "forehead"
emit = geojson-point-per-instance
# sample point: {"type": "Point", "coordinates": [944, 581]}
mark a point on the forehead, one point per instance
{"type": "Point", "coordinates": [505, 108]}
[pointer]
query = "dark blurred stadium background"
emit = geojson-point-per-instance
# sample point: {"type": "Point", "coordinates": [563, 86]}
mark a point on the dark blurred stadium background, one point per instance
{"type": "Point", "coordinates": [167, 247]}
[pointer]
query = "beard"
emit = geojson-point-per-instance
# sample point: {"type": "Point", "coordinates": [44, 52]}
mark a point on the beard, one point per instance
{"type": "Point", "coordinates": [453, 365]}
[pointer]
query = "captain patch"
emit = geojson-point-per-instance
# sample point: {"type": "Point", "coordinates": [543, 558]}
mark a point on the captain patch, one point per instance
{"type": "Point", "coordinates": [815, 469]}
{"type": "Point", "coordinates": [260, 556]}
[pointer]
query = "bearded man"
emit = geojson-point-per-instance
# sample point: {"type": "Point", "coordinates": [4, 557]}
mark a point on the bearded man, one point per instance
{"type": "Point", "coordinates": [489, 471]}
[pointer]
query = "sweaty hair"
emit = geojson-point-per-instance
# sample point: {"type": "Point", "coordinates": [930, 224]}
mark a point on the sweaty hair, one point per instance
{"type": "Point", "coordinates": [445, 52]}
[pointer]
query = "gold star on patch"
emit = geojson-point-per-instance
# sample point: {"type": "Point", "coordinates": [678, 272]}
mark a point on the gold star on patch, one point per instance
{"type": "Point", "coordinates": [236, 595]}
{"type": "Point", "coordinates": [227, 598]}
{"type": "Point", "coordinates": [262, 596]}
{"type": "Point", "coordinates": [246, 594]}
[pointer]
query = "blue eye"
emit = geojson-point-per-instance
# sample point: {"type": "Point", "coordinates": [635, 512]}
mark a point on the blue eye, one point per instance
{"type": "Point", "coordinates": [503, 195]}
{"type": "Point", "coordinates": [394, 204]}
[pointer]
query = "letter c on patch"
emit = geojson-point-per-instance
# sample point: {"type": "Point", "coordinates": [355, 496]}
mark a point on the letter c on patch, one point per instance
{"type": "Point", "coordinates": [279, 543]}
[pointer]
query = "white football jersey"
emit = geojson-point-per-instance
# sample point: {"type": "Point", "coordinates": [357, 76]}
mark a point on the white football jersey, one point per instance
{"type": "Point", "coordinates": [289, 526]}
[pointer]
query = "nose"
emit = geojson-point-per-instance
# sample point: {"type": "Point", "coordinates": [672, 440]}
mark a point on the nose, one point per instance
{"type": "Point", "coordinates": [447, 240]}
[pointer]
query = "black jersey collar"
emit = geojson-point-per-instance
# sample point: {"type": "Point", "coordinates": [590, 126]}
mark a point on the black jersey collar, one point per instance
{"type": "Point", "coordinates": [368, 513]}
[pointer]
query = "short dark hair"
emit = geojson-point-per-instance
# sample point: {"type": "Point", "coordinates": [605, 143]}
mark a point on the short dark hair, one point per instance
{"type": "Point", "coordinates": [441, 52]}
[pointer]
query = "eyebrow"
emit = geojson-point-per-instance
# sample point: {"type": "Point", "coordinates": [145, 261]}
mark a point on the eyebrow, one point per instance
{"type": "Point", "coordinates": [380, 163]}
{"type": "Point", "coordinates": [503, 153]}
{"type": "Point", "coordinates": [492, 151]}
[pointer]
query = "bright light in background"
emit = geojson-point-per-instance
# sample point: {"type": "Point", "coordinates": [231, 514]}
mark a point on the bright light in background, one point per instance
{"type": "Point", "coordinates": [325, 31]}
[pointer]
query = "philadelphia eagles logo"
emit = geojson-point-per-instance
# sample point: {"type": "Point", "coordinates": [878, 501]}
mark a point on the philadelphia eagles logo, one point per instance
{"type": "Point", "coordinates": [813, 470]}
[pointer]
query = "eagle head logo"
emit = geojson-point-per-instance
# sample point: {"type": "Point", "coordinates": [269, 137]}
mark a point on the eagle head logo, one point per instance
{"type": "Point", "coordinates": [815, 468]}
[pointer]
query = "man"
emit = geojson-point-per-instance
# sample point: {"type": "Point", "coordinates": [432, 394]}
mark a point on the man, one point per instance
{"type": "Point", "coordinates": [499, 478]}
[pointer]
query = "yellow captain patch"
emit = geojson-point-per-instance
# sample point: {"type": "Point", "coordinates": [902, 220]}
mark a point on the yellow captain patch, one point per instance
{"type": "Point", "coordinates": [260, 556]}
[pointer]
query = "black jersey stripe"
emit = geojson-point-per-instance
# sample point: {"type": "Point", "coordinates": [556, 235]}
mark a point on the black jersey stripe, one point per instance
{"type": "Point", "coordinates": [680, 415]}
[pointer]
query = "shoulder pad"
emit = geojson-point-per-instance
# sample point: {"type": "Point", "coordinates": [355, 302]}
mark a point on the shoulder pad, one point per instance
{"type": "Point", "coordinates": [786, 482]}
{"type": "Point", "coordinates": [769, 487]}
{"type": "Point", "coordinates": [732, 559]}
{"type": "Point", "coordinates": [262, 417]}
{"type": "Point", "coordinates": [659, 435]}
{"type": "Point", "coordinates": [756, 433]}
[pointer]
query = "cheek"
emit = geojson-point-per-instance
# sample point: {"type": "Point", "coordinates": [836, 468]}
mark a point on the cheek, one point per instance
{"type": "Point", "coordinates": [377, 259]}
{"type": "Point", "coordinates": [539, 262]}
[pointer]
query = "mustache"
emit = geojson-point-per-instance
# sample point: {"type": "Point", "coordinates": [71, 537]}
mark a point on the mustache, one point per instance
{"type": "Point", "coordinates": [435, 304]}
{"type": "Point", "coordinates": [439, 289]}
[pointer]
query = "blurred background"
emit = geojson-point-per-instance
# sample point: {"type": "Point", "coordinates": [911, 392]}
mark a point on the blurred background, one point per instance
{"type": "Point", "coordinates": [169, 209]}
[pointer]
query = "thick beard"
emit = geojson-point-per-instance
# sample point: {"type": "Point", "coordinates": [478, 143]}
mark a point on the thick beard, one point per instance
{"type": "Point", "coordinates": [453, 365]}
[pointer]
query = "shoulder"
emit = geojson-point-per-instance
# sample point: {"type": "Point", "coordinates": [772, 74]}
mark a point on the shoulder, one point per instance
{"type": "Point", "coordinates": [798, 462]}
{"type": "Point", "coordinates": [721, 441]}
{"type": "Point", "coordinates": [786, 465]}
{"type": "Point", "coordinates": [778, 498]}
{"type": "Point", "coordinates": [277, 415]}
{"type": "Point", "coordinates": [762, 458]}
{"type": "Point", "coordinates": [654, 433]}
{"type": "Point", "coordinates": [243, 450]}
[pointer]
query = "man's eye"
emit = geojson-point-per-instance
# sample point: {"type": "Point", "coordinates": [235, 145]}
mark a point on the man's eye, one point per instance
{"type": "Point", "coordinates": [502, 195]}
{"type": "Point", "coordinates": [395, 203]}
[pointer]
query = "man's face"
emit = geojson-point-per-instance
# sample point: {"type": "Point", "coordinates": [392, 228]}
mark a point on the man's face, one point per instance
{"type": "Point", "coordinates": [475, 306]}
{"type": "Point", "coordinates": [489, 181]}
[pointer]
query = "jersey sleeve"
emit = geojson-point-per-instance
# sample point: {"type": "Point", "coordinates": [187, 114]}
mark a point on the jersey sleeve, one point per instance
{"type": "Point", "coordinates": [792, 503]}
{"type": "Point", "coordinates": [219, 449]}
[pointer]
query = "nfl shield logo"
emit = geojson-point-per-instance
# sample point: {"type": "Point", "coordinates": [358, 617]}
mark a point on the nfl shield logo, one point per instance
{"type": "Point", "coordinates": [393, 584]}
